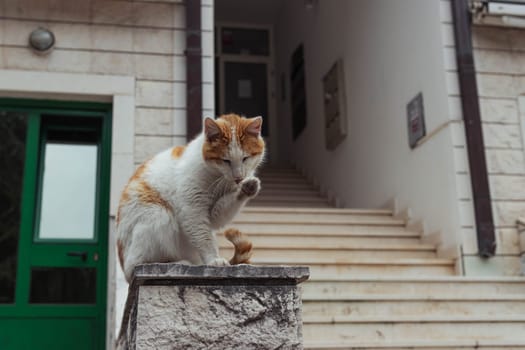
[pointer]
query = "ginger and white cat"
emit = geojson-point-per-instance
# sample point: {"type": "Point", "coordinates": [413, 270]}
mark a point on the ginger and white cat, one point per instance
{"type": "Point", "coordinates": [175, 201]}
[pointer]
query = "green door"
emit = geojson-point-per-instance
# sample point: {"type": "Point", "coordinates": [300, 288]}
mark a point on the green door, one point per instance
{"type": "Point", "coordinates": [54, 210]}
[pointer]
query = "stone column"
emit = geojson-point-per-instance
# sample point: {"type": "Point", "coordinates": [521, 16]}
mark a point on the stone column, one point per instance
{"type": "Point", "coordinates": [172, 306]}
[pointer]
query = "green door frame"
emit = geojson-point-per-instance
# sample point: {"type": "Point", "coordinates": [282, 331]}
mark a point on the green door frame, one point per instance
{"type": "Point", "coordinates": [33, 252]}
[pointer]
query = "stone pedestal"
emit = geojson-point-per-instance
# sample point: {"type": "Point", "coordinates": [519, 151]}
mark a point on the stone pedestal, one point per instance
{"type": "Point", "coordinates": [172, 306]}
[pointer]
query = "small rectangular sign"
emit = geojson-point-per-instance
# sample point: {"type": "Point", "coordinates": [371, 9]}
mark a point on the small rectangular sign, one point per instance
{"type": "Point", "coordinates": [416, 120]}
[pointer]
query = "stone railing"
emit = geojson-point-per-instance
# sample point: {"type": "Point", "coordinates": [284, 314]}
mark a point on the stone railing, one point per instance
{"type": "Point", "coordinates": [171, 306]}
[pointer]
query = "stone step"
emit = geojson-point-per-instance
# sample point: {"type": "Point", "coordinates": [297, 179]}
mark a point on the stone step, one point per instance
{"type": "Point", "coordinates": [300, 204]}
{"type": "Point", "coordinates": [279, 176]}
{"type": "Point", "coordinates": [421, 289]}
{"type": "Point", "coordinates": [302, 230]}
{"type": "Point", "coordinates": [416, 330]}
{"type": "Point", "coordinates": [287, 186]}
{"type": "Point", "coordinates": [321, 241]}
{"type": "Point", "coordinates": [316, 219]}
{"type": "Point", "coordinates": [328, 211]}
{"type": "Point", "coordinates": [373, 311]}
{"type": "Point", "coordinates": [371, 267]}
{"type": "Point", "coordinates": [289, 192]}
{"type": "Point", "coordinates": [464, 344]}
{"type": "Point", "coordinates": [289, 198]}
{"type": "Point", "coordinates": [314, 255]}
{"type": "Point", "coordinates": [282, 178]}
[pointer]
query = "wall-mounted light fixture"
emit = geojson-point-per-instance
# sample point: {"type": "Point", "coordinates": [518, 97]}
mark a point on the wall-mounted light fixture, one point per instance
{"type": "Point", "coordinates": [42, 40]}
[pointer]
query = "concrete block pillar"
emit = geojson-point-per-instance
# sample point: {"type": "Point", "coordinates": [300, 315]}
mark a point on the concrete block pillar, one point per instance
{"type": "Point", "coordinates": [172, 306]}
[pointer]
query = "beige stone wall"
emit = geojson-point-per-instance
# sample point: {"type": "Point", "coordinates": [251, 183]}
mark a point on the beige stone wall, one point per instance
{"type": "Point", "coordinates": [142, 39]}
{"type": "Point", "coordinates": [499, 56]}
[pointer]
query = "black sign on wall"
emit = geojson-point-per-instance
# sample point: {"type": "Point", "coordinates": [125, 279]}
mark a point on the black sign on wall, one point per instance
{"type": "Point", "coordinates": [416, 120]}
{"type": "Point", "coordinates": [298, 92]}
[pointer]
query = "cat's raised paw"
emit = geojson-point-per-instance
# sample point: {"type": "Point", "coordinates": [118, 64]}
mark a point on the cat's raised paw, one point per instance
{"type": "Point", "coordinates": [218, 262]}
{"type": "Point", "coordinates": [250, 187]}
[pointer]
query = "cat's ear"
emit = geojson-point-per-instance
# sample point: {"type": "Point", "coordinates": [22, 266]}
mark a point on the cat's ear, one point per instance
{"type": "Point", "coordinates": [211, 129]}
{"type": "Point", "coordinates": [255, 126]}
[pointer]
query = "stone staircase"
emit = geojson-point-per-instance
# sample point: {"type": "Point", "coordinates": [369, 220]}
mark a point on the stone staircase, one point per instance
{"type": "Point", "coordinates": [374, 284]}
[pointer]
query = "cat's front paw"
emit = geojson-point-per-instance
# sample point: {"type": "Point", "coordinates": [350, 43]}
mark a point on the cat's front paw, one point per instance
{"type": "Point", "coordinates": [218, 262]}
{"type": "Point", "coordinates": [250, 187]}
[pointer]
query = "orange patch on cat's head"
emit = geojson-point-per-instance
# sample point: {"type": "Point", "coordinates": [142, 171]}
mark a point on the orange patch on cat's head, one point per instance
{"type": "Point", "coordinates": [177, 152]}
{"type": "Point", "coordinates": [219, 134]}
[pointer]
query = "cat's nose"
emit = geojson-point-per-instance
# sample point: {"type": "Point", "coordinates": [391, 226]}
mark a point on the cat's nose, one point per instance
{"type": "Point", "coordinates": [238, 180]}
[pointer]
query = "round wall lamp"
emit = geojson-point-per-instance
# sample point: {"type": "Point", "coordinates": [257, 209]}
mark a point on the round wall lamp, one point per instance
{"type": "Point", "coordinates": [42, 40]}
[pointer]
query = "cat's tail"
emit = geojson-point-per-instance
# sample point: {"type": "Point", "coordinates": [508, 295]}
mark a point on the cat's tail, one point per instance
{"type": "Point", "coordinates": [243, 247]}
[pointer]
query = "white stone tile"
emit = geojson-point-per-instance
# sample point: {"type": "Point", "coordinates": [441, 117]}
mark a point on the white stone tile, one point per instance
{"type": "Point", "coordinates": [112, 63]}
{"type": "Point", "coordinates": [490, 37]}
{"type": "Point", "coordinates": [153, 121]}
{"type": "Point", "coordinates": [207, 18]}
{"type": "Point", "coordinates": [445, 11]}
{"type": "Point", "coordinates": [17, 58]}
{"type": "Point", "coordinates": [147, 146]}
{"type": "Point", "coordinates": [153, 40]}
{"type": "Point", "coordinates": [494, 85]}
{"type": "Point", "coordinates": [499, 62]}
{"type": "Point", "coordinates": [454, 108]}
{"type": "Point", "coordinates": [499, 111]}
{"type": "Point", "coordinates": [179, 42]}
{"type": "Point", "coordinates": [447, 34]}
{"type": "Point", "coordinates": [208, 96]}
{"type": "Point", "coordinates": [505, 162]}
{"type": "Point", "coordinates": [508, 241]}
{"type": "Point", "coordinates": [179, 68]}
{"type": "Point", "coordinates": [153, 67]}
{"type": "Point", "coordinates": [179, 122]}
{"type": "Point", "coordinates": [123, 124]}
{"type": "Point", "coordinates": [154, 94]}
{"type": "Point", "coordinates": [502, 136]}
{"type": "Point", "coordinates": [507, 187]}
{"type": "Point", "coordinates": [74, 11]}
{"type": "Point", "coordinates": [452, 83]}
{"type": "Point", "coordinates": [496, 266]}
{"type": "Point", "coordinates": [461, 160]}
{"type": "Point", "coordinates": [449, 56]}
{"type": "Point", "coordinates": [154, 14]}
{"type": "Point", "coordinates": [122, 168]}
{"type": "Point", "coordinates": [517, 41]}
{"type": "Point", "coordinates": [179, 16]}
{"type": "Point", "coordinates": [179, 95]}
{"type": "Point", "coordinates": [458, 133]}
{"type": "Point", "coordinates": [112, 38]}
{"type": "Point", "coordinates": [178, 140]}
{"type": "Point", "coordinates": [208, 70]}
{"type": "Point", "coordinates": [464, 187]}
{"type": "Point", "coordinates": [26, 9]}
{"type": "Point", "coordinates": [506, 213]}
{"type": "Point", "coordinates": [469, 241]}
{"type": "Point", "coordinates": [466, 214]}
{"type": "Point", "coordinates": [207, 44]}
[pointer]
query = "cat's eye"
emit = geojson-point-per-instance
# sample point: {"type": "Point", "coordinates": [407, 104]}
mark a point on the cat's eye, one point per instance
{"type": "Point", "coordinates": [227, 161]}
{"type": "Point", "coordinates": [245, 159]}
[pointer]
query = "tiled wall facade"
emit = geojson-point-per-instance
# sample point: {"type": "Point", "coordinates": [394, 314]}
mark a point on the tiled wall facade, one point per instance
{"type": "Point", "coordinates": [142, 39]}
{"type": "Point", "coordinates": [499, 56]}
{"type": "Point", "coordinates": [499, 65]}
